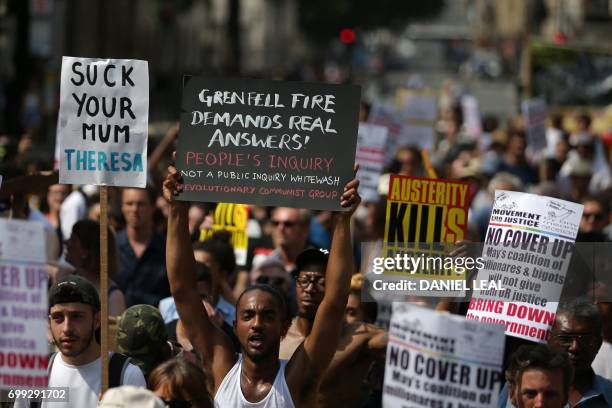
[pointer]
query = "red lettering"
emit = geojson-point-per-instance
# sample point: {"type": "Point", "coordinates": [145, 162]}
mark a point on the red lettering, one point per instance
{"type": "Point", "coordinates": [23, 380]}
{"type": "Point", "coordinates": [531, 314]}
{"type": "Point", "coordinates": [213, 158]}
{"type": "Point", "coordinates": [31, 361]}
{"type": "Point", "coordinates": [495, 306]}
{"type": "Point", "coordinates": [190, 155]}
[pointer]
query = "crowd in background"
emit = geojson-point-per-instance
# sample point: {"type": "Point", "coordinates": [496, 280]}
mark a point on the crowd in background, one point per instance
{"type": "Point", "coordinates": [574, 165]}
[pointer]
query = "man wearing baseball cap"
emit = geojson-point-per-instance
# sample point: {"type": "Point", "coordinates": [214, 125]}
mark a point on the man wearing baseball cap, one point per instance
{"type": "Point", "coordinates": [360, 345]}
{"type": "Point", "coordinates": [74, 318]}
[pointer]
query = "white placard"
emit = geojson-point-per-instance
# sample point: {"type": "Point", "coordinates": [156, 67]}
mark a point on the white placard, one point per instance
{"type": "Point", "coordinates": [102, 126]}
{"type": "Point", "coordinates": [23, 305]}
{"type": "Point", "coordinates": [420, 107]}
{"type": "Point", "coordinates": [416, 135]}
{"type": "Point", "coordinates": [441, 360]}
{"type": "Point", "coordinates": [471, 116]}
{"type": "Point", "coordinates": [528, 247]}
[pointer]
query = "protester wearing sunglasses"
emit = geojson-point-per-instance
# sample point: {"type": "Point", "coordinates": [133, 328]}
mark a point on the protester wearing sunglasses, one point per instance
{"type": "Point", "coordinates": [594, 219]}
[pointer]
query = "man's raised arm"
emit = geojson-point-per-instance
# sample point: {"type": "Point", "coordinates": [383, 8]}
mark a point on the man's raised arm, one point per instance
{"type": "Point", "coordinates": [318, 348]}
{"type": "Point", "coordinates": [210, 341]}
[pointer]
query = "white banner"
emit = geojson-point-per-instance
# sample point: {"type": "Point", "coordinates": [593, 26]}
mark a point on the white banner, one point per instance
{"type": "Point", "coordinates": [528, 247]}
{"type": "Point", "coordinates": [441, 360]}
{"type": "Point", "coordinates": [103, 122]}
{"type": "Point", "coordinates": [23, 305]}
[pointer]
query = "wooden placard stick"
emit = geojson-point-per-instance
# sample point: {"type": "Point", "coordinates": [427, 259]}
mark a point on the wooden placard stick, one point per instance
{"type": "Point", "coordinates": [104, 285]}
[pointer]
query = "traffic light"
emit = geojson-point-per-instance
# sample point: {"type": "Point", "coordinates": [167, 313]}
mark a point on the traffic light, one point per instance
{"type": "Point", "coordinates": [347, 36]}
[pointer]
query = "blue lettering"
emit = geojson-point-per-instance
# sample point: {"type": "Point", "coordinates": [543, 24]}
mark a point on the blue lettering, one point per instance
{"type": "Point", "coordinates": [102, 161]}
{"type": "Point", "coordinates": [137, 162]}
{"type": "Point", "coordinates": [91, 160]}
{"type": "Point", "coordinates": [81, 159]}
{"type": "Point", "coordinates": [69, 154]}
{"type": "Point", "coordinates": [125, 159]}
{"type": "Point", "coordinates": [114, 160]}
{"type": "Point", "coordinates": [111, 161]}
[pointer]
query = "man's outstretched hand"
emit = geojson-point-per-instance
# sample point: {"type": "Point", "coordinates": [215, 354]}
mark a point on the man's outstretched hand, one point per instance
{"type": "Point", "coordinates": [173, 184]}
{"type": "Point", "coordinates": [350, 198]}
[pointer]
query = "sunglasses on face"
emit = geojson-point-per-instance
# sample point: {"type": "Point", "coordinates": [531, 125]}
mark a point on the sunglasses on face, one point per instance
{"type": "Point", "coordinates": [288, 224]}
{"type": "Point", "coordinates": [275, 281]}
{"type": "Point", "coordinates": [596, 216]}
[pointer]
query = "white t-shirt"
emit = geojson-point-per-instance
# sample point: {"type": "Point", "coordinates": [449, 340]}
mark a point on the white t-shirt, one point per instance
{"type": "Point", "coordinates": [73, 209]}
{"type": "Point", "coordinates": [84, 382]}
{"type": "Point", "coordinates": [602, 364]}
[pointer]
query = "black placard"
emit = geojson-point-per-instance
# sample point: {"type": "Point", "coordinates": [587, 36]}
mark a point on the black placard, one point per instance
{"type": "Point", "coordinates": [267, 142]}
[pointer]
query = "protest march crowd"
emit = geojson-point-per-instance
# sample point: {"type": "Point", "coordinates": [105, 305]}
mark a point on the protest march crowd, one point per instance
{"type": "Point", "coordinates": [232, 305]}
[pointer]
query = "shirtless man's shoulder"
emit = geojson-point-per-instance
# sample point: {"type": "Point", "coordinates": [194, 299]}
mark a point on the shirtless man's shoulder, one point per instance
{"type": "Point", "coordinates": [290, 342]}
{"type": "Point", "coordinates": [358, 333]}
{"type": "Point", "coordinates": [349, 365]}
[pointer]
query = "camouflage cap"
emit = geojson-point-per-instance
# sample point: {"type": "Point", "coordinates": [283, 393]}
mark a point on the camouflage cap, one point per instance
{"type": "Point", "coordinates": [142, 336]}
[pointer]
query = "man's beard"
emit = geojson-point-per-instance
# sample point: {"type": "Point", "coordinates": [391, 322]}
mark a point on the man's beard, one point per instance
{"type": "Point", "coordinates": [86, 341]}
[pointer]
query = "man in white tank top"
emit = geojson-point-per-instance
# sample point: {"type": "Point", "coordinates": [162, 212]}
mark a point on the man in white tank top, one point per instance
{"type": "Point", "coordinates": [258, 378]}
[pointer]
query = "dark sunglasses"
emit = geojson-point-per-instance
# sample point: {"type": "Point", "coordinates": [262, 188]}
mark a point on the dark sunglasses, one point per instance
{"type": "Point", "coordinates": [288, 224]}
{"type": "Point", "coordinates": [597, 216]}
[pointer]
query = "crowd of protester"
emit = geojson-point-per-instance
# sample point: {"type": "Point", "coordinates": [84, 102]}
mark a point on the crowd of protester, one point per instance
{"type": "Point", "coordinates": [174, 297]}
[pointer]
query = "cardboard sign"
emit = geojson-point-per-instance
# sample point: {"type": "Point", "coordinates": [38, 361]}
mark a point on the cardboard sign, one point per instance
{"type": "Point", "coordinates": [420, 136]}
{"type": "Point", "coordinates": [426, 210]}
{"type": "Point", "coordinates": [419, 106]}
{"type": "Point", "coordinates": [102, 126]}
{"type": "Point", "coordinates": [534, 111]}
{"type": "Point", "coordinates": [267, 142]}
{"type": "Point", "coordinates": [528, 248]}
{"type": "Point", "coordinates": [441, 360]}
{"type": "Point", "coordinates": [471, 115]}
{"type": "Point", "coordinates": [23, 305]}
{"type": "Point", "coordinates": [382, 115]}
{"type": "Point", "coordinates": [371, 159]}
{"type": "Point", "coordinates": [421, 210]}
{"type": "Point", "coordinates": [234, 219]}
{"type": "Point", "coordinates": [419, 112]}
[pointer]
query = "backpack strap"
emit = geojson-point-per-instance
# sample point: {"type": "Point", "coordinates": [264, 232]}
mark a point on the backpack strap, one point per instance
{"type": "Point", "coordinates": [50, 363]}
{"type": "Point", "coordinates": [117, 365]}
